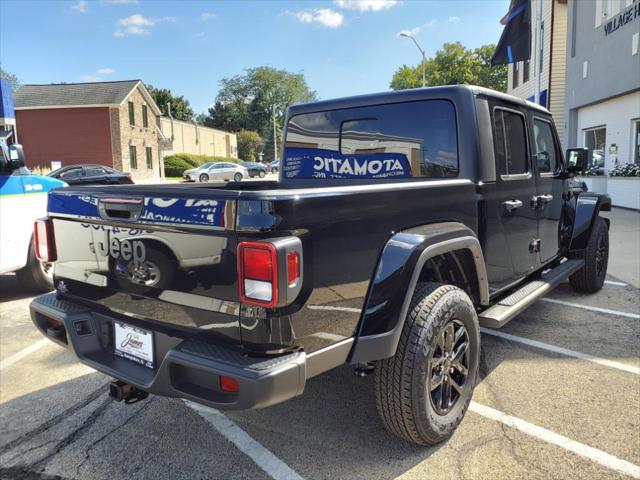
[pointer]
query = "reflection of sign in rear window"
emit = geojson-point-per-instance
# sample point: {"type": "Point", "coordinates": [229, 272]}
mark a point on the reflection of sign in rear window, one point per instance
{"type": "Point", "coordinates": [400, 140]}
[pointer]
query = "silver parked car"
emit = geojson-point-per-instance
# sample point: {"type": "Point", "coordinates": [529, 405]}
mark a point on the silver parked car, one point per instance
{"type": "Point", "coordinates": [216, 171]}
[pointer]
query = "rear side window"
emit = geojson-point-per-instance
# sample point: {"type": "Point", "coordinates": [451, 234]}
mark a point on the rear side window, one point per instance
{"type": "Point", "coordinates": [544, 146]}
{"type": "Point", "coordinates": [400, 140]}
{"type": "Point", "coordinates": [510, 142]}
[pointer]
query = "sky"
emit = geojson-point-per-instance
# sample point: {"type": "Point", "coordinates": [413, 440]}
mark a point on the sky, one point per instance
{"type": "Point", "coordinates": [343, 47]}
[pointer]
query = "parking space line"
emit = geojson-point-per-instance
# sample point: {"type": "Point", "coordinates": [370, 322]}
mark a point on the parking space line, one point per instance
{"type": "Point", "coordinates": [267, 461]}
{"type": "Point", "coordinates": [563, 351]}
{"type": "Point", "coordinates": [605, 459]}
{"type": "Point", "coordinates": [337, 309]}
{"type": "Point", "coordinates": [593, 309]}
{"type": "Point", "coordinates": [617, 284]}
{"type": "Point", "coordinates": [16, 357]}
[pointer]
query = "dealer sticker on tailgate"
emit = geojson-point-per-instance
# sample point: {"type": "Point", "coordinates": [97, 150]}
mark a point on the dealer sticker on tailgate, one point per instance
{"type": "Point", "coordinates": [134, 344]}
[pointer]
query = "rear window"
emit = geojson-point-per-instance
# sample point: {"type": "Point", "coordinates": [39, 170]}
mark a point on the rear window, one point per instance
{"type": "Point", "coordinates": [400, 140]}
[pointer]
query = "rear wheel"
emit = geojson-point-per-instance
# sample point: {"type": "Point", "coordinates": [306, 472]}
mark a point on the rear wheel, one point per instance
{"type": "Point", "coordinates": [274, 170]}
{"type": "Point", "coordinates": [204, 178]}
{"type": "Point", "coordinates": [237, 177]}
{"type": "Point", "coordinates": [590, 278]}
{"type": "Point", "coordinates": [36, 276]}
{"type": "Point", "coordinates": [424, 390]}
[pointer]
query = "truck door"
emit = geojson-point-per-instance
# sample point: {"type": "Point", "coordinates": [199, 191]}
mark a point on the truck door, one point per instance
{"type": "Point", "coordinates": [549, 186]}
{"type": "Point", "coordinates": [515, 188]}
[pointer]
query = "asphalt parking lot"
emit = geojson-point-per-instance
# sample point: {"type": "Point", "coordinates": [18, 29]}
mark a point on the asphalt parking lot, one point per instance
{"type": "Point", "coordinates": [558, 397]}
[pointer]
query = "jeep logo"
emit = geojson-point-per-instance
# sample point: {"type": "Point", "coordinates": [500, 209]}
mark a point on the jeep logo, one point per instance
{"type": "Point", "coordinates": [125, 249]}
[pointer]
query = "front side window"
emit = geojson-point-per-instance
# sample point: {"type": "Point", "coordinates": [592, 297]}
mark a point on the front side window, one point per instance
{"type": "Point", "coordinates": [94, 171]}
{"type": "Point", "coordinates": [72, 173]}
{"type": "Point", "coordinates": [399, 140]}
{"type": "Point", "coordinates": [145, 117]}
{"type": "Point", "coordinates": [510, 142]}
{"type": "Point", "coordinates": [544, 146]}
{"type": "Point", "coordinates": [149, 156]}
{"type": "Point", "coordinates": [132, 114]}
{"type": "Point", "coordinates": [133, 157]}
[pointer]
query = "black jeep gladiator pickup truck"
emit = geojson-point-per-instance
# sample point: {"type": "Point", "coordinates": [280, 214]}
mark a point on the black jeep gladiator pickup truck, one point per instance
{"type": "Point", "coordinates": [401, 223]}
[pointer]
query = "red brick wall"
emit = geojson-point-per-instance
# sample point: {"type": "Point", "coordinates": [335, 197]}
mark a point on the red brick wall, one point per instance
{"type": "Point", "coordinates": [69, 135]}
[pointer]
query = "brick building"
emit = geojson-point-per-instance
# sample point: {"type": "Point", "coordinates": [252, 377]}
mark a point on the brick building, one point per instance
{"type": "Point", "coordinates": [108, 123]}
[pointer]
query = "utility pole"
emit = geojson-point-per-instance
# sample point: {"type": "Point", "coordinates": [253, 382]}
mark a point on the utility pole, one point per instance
{"type": "Point", "coordinates": [275, 139]}
{"type": "Point", "coordinates": [539, 52]}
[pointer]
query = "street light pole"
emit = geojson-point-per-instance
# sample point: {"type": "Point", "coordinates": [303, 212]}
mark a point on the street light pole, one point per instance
{"type": "Point", "coordinates": [407, 34]}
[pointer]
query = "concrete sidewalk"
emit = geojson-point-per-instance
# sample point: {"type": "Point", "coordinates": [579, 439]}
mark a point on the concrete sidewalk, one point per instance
{"type": "Point", "coordinates": [624, 245]}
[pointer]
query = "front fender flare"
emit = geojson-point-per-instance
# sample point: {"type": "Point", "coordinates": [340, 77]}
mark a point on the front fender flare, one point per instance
{"type": "Point", "coordinates": [395, 280]}
{"type": "Point", "coordinates": [588, 207]}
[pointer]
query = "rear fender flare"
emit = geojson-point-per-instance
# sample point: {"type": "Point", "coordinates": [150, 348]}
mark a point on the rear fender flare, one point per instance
{"type": "Point", "coordinates": [397, 274]}
{"type": "Point", "coordinates": [588, 207]}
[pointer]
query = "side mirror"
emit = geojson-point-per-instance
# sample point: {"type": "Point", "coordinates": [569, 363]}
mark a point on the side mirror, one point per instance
{"type": "Point", "coordinates": [16, 156]}
{"type": "Point", "coordinates": [577, 159]}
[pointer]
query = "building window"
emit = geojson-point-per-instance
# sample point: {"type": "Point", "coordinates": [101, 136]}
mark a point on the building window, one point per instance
{"type": "Point", "coordinates": [132, 114]}
{"type": "Point", "coordinates": [596, 139]}
{"type": "Point", "coordinates": [516, 74]}
{"type": "Point", "coordinates": [149, 158]}
{"type": "Point", "coordinates": [525, 71]}
{"type": "Point", "coordinates": [636, 142]}
{"type": "Point", "coordinates": [145, 118]}
{"type": "Point", "coordinates": [133, 157]}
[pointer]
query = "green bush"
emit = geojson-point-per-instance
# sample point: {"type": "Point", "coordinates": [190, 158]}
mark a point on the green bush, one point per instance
{"type": "Point", "coordinates": [177, 163]}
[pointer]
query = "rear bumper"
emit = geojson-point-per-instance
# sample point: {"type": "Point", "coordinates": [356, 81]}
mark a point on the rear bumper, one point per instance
{"type": "Point", "coordinates": [188, 368]}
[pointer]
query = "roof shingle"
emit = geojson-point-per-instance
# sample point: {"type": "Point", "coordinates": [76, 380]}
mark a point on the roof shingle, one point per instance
{"type": "Point", "coordinates": [73, 94]}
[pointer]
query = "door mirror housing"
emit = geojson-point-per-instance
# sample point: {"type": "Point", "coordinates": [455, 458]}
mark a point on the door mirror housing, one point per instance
{"type": "Point", "coordinates": [577, 159]}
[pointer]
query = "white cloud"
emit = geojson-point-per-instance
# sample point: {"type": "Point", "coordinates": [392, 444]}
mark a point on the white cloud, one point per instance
{"type": "Point", "coordinates": [324, 16]}
{"type": "Point", "coordinates": [419, 28]}
{"type": "Point", "coordinates": [207, 15]}
{"type": "Point", "coordinates": [454, 19]}
{"type": "Point", "coordinates": [366, 5]}
{"type": "Point", "coordinates": [105, 71]}
{"type": "Point", "coordinates": [80, 6]}
{"type": "Point", "coordinates": [138, 24]}
{"type": "Point", "coordinates": [200, 34]}
{"type": "Point", "coordinates": [90, 78]}
{"type": "Point", "coordinates": [120, 2]}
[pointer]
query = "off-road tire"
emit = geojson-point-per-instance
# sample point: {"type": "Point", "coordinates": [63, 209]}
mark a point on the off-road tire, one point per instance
{"type": "Point", "coordinates": [237, 177]}
{"type": "Point", "coordinates": [32, 276]}
{"type": "Point", "coordinates": [204, 178]}
{"type": "Point", "coordinates": [590, 278]}
{"type": "Point", "coordinates": [401, 382]}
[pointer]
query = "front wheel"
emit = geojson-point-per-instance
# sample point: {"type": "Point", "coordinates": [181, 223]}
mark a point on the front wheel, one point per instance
{"type": "Point", "coordinates": [590, 278]}
{"type": "Point", "coordinates": [36, 276]}
{"type": "Point", "coordinates": [424, 390]}
{"type": "Point", "coordinates": [237, 177]}
{"type": "Point", "coordinates": [261, 174]}
{"type": "Point", "coordinates": [204, 178]}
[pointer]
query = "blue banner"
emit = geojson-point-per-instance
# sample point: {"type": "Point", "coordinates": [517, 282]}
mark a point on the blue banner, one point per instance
{"type": "Point", "coordinates": [319, 163]}
{"type": "Point", "coordinates": [6, 104]}
{"type": "Point", "coordinates": [189, 211]}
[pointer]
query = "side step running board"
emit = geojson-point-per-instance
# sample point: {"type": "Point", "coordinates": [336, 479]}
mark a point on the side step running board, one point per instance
{"type": "Point", "coordinates": [507, 308]}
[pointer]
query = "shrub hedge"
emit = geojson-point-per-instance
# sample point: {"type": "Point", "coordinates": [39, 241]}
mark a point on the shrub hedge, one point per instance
{"type": "Point", "coordinates": [176, 164]}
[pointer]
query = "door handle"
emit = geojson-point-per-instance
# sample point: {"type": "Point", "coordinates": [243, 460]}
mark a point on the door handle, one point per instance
{"type": "Point", "coordinates": [546, 198]}
{"type": "Point", "coordinates": [538, 202]}
{"type": "Point", "coordinates": [511, 205]}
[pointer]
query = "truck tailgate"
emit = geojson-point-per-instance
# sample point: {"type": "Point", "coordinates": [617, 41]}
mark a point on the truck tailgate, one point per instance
{"type": "Point", "coordinates": [170, 260]}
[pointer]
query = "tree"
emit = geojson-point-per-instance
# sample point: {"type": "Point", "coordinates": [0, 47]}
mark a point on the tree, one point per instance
{"type": "Point", "coordinates": [180, 108]}
{"type": "Point", "coordinates": [454, 64]}
{"type": "Point", "coordinates": [4, 75]}
{"type": "Point", "coordinates": [249, 102]}
{"type": "Point", "coordinates": [249, 144]}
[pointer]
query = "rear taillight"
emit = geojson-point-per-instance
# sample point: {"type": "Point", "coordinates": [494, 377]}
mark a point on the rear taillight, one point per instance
{"type": "Point", "coordinates": [258, 273]}
{"type": "Point", "coordinates": [44, 240]}
{"type": "Point", "coordinates": [269, 272]}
